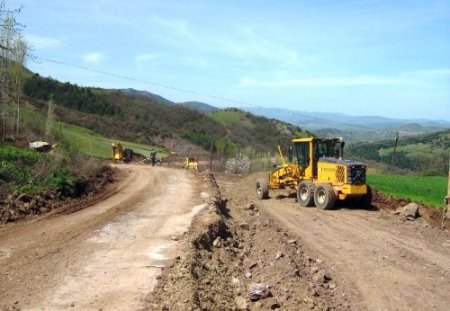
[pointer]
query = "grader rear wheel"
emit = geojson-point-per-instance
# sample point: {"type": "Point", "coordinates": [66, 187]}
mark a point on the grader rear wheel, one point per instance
{"type": "Point", "coordinates": [324, 196]}
{"type": "Point", "coordinates": [262, 189]}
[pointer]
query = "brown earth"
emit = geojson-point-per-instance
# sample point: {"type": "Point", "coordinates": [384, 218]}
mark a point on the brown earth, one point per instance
{"type": "Point", "coordinates": [105, 256]}
{"type": "Point", "coordinates": [131, 252]}
{"type": "Point", "coordinates": [17, 206]}
{"type": "Point", "coordinates": [310, 259]}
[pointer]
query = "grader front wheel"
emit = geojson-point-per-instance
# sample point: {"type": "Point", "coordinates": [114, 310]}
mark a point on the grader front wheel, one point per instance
{"type": "Point", "coordinates": [262, 189]}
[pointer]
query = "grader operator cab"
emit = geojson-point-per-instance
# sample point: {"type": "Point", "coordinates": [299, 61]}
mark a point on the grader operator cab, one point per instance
{"type": "Point", "coordinates": [320, 175]}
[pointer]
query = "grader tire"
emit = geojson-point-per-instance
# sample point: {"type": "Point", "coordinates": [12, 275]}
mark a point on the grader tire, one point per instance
{"type": "Point", "coordinates": [324, 196]}
{"type": "Point", "coordinates": [262, 189]}
{"type": "Point", "coordinates": [367, 199]}
{"type": "Point", "coordinates": [305, 194]}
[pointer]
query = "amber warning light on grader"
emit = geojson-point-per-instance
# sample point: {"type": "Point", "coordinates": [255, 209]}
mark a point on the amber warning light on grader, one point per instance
{"type": "Point", "coordinates": [318, 174]}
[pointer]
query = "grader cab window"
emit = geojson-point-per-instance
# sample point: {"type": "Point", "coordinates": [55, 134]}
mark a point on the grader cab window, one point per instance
{"type": "Point", "coordinates": [324, 149]}
{"type": "Point", "coordinates": [302, 152]}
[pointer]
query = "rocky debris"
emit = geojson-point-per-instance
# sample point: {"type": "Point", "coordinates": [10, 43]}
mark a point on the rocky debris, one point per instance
{"type": "Point", "coordinates": [244, 225]}
{"type": "Point", "coordinates": [258, 291]}
{"type": "Point", "coordinates": [229, 260]}
{"type": "Point", "coordinates": [431, 215]}
{"type": "Point", "coordinates": [322, 276]}
{"type": "Point", "coordinates": [250, 206]}
{"type": "Point", "coordinates": [409, 211]}
{"type": "Point", "coordinates": [279, 255]}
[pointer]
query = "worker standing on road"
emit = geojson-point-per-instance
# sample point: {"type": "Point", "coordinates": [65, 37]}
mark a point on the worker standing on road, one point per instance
{"type": "Point", "coordinates": [153, 157]}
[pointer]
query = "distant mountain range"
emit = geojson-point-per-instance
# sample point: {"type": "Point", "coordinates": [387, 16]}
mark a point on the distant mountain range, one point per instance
{"type": "Point", "coordinates": [319, 120]}
{"type": "Point", "coordinates": [352, 128]}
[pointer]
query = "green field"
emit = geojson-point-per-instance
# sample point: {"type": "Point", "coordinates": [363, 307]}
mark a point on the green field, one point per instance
{"type": "Point", "coordinates": [92, 143]}
{"type": "Point", "coordinates": [227, 116]}
{"type": "Point", "coordinates": [429, 190]}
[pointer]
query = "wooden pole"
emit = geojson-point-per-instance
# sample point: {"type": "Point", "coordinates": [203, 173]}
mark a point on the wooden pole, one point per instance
{"type": "Point", "coordinates": [447, 198]}
{"type": "Point", "coordinates": [395, 148]}
{"type": "Point", "coordinates": [211, 155]}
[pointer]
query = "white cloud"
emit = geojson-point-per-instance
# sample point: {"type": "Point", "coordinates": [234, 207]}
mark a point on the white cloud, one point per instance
{"type": "Point", "coordinates": [340, 81]}
{"type": "Point", "coordinates": [94, 57]}
{"type": "Point", "coordinates": [145, 57]}
{"type": "Point", "coordinates": [41, 42]}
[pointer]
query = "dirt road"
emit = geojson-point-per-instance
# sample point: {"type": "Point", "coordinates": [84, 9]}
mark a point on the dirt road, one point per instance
{"type": "Point", "coordinates": [382, 262]}
{"type": "Point", "coordinates": [392, 266]}
{"type": "Point", "coordinates": [106, 256]}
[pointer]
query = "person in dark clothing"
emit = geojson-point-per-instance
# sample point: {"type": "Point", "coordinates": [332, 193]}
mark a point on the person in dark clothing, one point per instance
{"type": "Point", "coordinates": [153, 157]}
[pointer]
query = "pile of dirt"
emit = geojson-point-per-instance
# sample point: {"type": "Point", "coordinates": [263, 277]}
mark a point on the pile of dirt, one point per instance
{"type": "Point", "coordinates": [18, 206]}
{"type": "Point", "coordinates": [238, 258]}
{"type": "Point", "coordinates": [431, 215]}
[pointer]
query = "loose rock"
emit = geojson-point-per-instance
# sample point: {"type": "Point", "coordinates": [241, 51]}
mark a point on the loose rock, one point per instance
{"type": "Point", "coordinates": [258, 291]}
{"type": "Point", "coordinates": [410, 211]}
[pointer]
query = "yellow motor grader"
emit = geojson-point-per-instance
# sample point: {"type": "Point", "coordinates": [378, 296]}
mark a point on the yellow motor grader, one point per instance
{"type": "Point", "coordinates": [319, 174]}
{"type": "Point", "coordinates": [121, 154]}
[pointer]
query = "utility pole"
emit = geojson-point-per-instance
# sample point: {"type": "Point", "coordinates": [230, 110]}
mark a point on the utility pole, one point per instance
{"type": "Point", "coordinates": [447, 198]}
{"type": "Point", "coordinates": [211, 155]}
{"type": "Point", "coordinates": [395, 147]}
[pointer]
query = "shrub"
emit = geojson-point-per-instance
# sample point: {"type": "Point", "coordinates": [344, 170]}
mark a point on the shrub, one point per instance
{"type": "Point", "coordinates": [239, 164]}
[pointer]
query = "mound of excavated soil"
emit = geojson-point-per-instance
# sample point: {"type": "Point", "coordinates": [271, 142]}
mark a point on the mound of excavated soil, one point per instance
{"type": "Point", "coordinates": [237, 258]}
{"type": "Point", "coordinates": [430, 214]}
{"type": "Point", "coordinates": [19, 206]}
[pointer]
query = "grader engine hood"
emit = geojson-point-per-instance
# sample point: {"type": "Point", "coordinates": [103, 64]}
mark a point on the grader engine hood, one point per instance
{"type": "Point", "coordinates": [341, 171]}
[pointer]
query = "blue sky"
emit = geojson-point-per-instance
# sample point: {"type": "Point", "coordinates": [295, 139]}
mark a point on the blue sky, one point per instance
{"type": "Point", "coordinates": [387, 58]}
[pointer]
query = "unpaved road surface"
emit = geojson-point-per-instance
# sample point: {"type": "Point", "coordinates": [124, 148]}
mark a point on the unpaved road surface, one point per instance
{"type": "Point", "coordinates": [380, 260]}
{"type": "Point", "coordinates": [106, 256]}
{"type": "Point", "coordinates": [391, 266]}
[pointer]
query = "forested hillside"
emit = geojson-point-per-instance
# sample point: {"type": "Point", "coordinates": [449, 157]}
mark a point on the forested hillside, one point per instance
{"type": "Point", "coordinates": [134, 117]}
{"type": "Point", "coordinates": [426, 154]}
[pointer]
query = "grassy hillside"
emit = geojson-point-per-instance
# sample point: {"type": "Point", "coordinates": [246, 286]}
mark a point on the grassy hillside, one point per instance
{"type": "Point", "coordinates": [94, 144]}
{"type": "Point", "coordinates": [426, 154]}
{"type": "Point", "coordinates": [260, 133]}
{"type": "Point", "coordinates": [429, 190]}
{"type": "Point", "coordinates": [143, 119]}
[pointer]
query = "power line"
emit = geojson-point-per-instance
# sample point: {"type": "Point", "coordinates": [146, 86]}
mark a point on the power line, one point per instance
{"type": "Point", "coordinates": [183, 90]}
{"type": "Point", "coordinates": [144, 81]}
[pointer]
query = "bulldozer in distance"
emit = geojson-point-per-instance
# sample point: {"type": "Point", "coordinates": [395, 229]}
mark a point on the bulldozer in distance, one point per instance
{"type": "Point", "coordinates": [319, 175]}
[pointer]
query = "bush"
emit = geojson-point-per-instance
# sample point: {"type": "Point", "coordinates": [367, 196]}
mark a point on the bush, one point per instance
{"type": "Point", "coordinates": [238, 165]}
{"type": "Point", "coordinates": [62, 179]}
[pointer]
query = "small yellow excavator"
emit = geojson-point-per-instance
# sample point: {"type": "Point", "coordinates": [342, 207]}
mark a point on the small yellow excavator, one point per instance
{"type": "Point", "coordinates": [319, 175]}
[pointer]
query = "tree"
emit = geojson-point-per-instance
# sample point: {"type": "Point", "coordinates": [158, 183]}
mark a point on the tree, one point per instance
{"type": "Point", "coordinates": [13, 51]}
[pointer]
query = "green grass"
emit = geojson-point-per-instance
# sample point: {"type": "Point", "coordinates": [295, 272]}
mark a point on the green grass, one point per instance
{"type": "Point", "coordinates": [26, 170]}
{"type": "Point", "coordinates": [94, 144]}
{"type": "Point", "coordinates": [429, 190]}
{"type": "Point", "coordinates": [226, 116]}
{"type": "Point", "coordinates": [413, 148]}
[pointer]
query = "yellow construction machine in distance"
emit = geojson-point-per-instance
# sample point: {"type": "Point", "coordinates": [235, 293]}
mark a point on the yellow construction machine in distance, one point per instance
{"type": "Point", "coordinates": [121, 154]}
{"type": "Point", "coordinates": [320, 175]}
